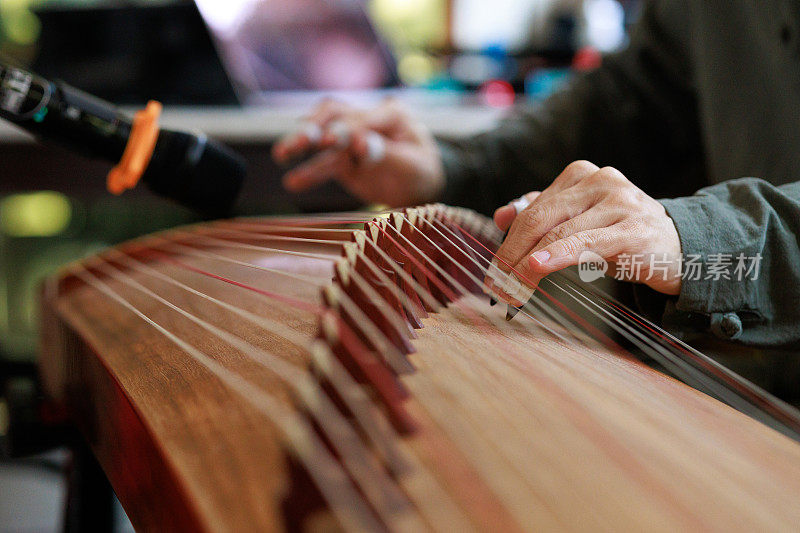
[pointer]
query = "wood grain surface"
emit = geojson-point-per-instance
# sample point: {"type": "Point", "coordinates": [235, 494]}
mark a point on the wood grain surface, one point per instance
{"type": "Point", "coordinates": [515, 429]}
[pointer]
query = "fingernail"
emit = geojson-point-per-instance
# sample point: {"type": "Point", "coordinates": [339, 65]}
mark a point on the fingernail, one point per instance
{"type": "Point", "coordinates": [541, 256]}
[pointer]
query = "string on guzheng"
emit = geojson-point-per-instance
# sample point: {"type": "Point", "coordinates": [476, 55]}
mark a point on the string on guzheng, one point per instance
{"type": "Point", "coordinates": [307, 392]}
{"type": "Point", "coordinates": [398, 435]}
{"type": "Point", "coordinates": [692, 366]}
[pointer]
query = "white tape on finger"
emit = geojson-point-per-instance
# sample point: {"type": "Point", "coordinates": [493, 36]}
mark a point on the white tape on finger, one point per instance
{"type": "Point", "coordinates": [312, 131]}
{"type": "Point", "coordinates": [340, 130]}
{"type": "Point", "coordinates": [376, 147]}
{"type": "Point", "coordinates": [520, 204]}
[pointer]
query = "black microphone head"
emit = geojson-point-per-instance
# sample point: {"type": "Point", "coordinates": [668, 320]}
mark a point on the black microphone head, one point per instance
{"type": "Point", "coordinates": [196, 172]}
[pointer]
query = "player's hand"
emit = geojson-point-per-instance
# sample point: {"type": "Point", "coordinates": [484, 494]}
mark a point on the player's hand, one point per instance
{"type": "Point", "coordinates": [380, 155]}
{"type": "Point", "coordinates": [594, 209]}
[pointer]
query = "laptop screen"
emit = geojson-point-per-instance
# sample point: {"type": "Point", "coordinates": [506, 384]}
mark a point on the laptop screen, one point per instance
{"type": "Point", "coordinates": [299, 45]}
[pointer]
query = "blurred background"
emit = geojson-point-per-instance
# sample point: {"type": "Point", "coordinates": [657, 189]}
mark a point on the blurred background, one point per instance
{"type": "Point", "coordinates": [244, 72]}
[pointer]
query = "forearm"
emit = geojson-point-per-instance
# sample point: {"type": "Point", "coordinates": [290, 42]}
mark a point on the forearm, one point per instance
{"type": "Point", "coordinates": [741, 220]}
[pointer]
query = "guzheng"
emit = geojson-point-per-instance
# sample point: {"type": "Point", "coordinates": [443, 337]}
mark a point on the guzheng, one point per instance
{"type": "Point", "coordinates": [347, 372]}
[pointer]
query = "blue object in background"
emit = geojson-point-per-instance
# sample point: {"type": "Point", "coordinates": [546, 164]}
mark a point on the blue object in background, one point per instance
{"type": "Point", "coordinates": [543, 82]}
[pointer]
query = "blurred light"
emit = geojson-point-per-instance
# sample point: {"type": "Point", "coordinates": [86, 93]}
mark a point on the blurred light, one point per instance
{"type": "Point", "coordinates": [475, 69]}
{"type": "Point", "coordinates": [587, 58]}
{"type": "Point", "coordinates": [498, 93]}
{"type": "Point", "coordinates": [605, 24]}
{"type": "Point", "coordinates": [224, 16]}
{"type": "Point", "coordinates": [37, 214]}
{"type": "Point", "coordinates": [400, 8]}
{"type": "Point", "coordinates": [415, 69]}
{"type": "Point", "coordinates": [478, 23]}
{"type": "Point", "coordinates": [410, 25]}
{"type": "Point", "coordinates": [543, 82]}
{"type": "Point", "coordinates": [19, 24]}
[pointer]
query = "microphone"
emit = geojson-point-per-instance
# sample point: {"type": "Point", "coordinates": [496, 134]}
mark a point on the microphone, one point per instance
{"type": "Point", "coordinates": [190, 169]}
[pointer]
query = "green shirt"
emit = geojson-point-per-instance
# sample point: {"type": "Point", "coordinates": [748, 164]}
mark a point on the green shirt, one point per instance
{"type": "Point", "coordinates": [702, 108]}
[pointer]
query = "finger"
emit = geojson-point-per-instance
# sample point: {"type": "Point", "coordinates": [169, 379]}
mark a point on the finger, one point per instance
{"type": "Point", "coordinates": [606, 242]}
{"type": "Point", "coordinates": [351, 130]}
{"type": "Point", "coordinates": [306, 137]}
{"type": "Point", "coordinates": [504, 216]}
{"type": "Point", "coordinates": [314, 129]}
{"type": "Point", "coordinates": [327, 111]}
{"type": "Point", "coordinates": [593, 218]}
{"type": "Point", "coordinates": [374, 148]}
{"type": "Point", "coordinates": [310, 131]}
{"type": "Point", "coordinates": [535, 221]}
{"type": "Point", "coordinates": [390, 119]}
{"type": "Point", "coordinates": [338, 134]}
{"type": "Point", "coordinates": [320, 168]}
{"type": "Point", "coordinates": [572, 174]}
{"type": "Point", "coordinates": [554, 205]}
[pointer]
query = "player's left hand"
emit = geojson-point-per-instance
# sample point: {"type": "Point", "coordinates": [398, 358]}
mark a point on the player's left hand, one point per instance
{"type": "Point", "coordinates": [594, 209]}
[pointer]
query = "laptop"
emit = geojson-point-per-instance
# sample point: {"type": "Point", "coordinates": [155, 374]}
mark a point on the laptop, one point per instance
{"type": "Point", "coordinates": [297, 47]}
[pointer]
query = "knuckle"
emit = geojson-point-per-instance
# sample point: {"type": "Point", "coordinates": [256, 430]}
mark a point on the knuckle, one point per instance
{"type": "Point", "coordinates": [621, 196]}
{"type": "Point", "coordinates": [639, 196]}
{"type": "Point", "coordinates": [611, 173]}
{"type": "Point", "coordinates": [570, 246]}
{"type": "Point", "coordinates": [561, 232]}
{"type": "Point", "coordinates": [594, 178]}
{"type": "Point", "coordinates": [630, 227]}
{"type": "Point", "coordinates": [585, 240]}
{"type": "Point", "coordinates": [610, 176]}
{"type": "Point", "coordinates": [530, 218]}
{"type": "Point", "coordinates": [534, 222]}
{"type": "Point", "coordinates": [576, 170]}
{"type": "Point", "coordinates": [533, 195]}
{"type": "Point", "coordinates": [581, 167]}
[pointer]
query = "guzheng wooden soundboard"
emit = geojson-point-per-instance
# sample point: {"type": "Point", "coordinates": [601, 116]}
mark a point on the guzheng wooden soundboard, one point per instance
{"type": "Point", "coordinates": [347, 372]}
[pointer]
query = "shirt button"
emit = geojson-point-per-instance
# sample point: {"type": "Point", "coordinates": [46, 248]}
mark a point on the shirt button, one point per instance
{"type": "Point", "coordinates": [727, 326]}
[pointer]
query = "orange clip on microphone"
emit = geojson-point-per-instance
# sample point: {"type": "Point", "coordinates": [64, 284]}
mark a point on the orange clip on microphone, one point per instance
{"type": "Point", "coordinates": [138, 150]}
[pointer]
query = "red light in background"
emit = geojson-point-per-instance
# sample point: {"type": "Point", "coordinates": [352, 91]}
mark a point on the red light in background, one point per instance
{"type": "Point", "coordinates": [497, 93]}
{"type": "Point", "coordinates": [587, 58]}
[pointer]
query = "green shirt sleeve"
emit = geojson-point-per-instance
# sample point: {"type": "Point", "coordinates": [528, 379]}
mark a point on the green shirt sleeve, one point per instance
{"type": "Point", "coordinates": [637, 112]}
{"type": "Point", "coordinates": [740, 224]}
